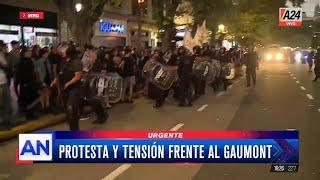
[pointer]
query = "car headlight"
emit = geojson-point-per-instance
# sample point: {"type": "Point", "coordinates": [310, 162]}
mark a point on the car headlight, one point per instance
{"type": "Point", "coordinates": [279, 56]}
{"type": "Point", "coordinates": [269, 56]}
{"type": "Point", "coordinates": [297, 57]}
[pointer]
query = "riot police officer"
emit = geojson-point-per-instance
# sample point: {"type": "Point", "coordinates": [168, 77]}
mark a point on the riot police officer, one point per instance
{"type": "Point", "coordinates": [168, 62]}
{"type": "Point", "coordinates": [251, 62]}
{"type": "Point", "coordinates": [198, 81]}
{"type": "Point", "coordinates": [185, 76]}
{"type": "Point", "coordinates": [72, 93]}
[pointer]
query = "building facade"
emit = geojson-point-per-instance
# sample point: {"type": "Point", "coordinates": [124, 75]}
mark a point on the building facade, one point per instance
{"type": "Point", "coordinates": [118, 26]}
{"type": "Point", "coordinates": [29, 32]}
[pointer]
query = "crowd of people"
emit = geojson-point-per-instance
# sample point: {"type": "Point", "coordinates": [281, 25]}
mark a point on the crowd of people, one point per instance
{"type": "Point", "coordinates": [48, 79]}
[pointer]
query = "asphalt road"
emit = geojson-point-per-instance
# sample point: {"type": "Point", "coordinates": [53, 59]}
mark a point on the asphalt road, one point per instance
{"type": "Point", "coordinates": [284, 98]}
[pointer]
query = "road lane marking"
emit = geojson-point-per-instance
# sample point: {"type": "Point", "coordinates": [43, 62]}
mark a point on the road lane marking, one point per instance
{"type": "Point", "coordinates": [291, 129]}
{"type": "Point", "coordinates": [202, 107]}
{"type": "Point", "coordinates": [310, 96]}
{"type": "Point", "coordinates": [121, 169]}
{"type": "Point", "coordinates": [291, 74]}
{"type": "Point", "coordinates": [177, 127]}
{"type": "Point", "coordinates": [229, 87]}
{"type": "Point", "coordinates": [237, 81]}
{"type": "Point", "coordinates": [298, 82]}
{"type": "Point", "coordinates": [294, 78]}
{"type": "Point", "coordinates": [117, 172]}
{"type": "Point", "coordinates": [220, 94]}
{"type": "Point", "coordinates": [302, 88]}
{"type": "Point", "coordinates": [318, 110]}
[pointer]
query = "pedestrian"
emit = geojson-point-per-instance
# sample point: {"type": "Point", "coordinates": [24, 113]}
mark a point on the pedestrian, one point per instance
{"type": "Point", "coordinates": [185, 76]}
{"type": "Point", "coordinates": [251, 62]}
{"type": "Point", "coordinates": [317, 65]}
{"type": "Point", "coordinates": [128, 68]}
{"type": "Point", "coordinates": [26, 80]}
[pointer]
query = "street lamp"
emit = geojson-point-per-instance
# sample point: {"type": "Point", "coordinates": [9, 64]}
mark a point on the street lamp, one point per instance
{"type": "Point", "coordinates": [221, 27]}
{"type": "Point", "coordinates": [78, 7]}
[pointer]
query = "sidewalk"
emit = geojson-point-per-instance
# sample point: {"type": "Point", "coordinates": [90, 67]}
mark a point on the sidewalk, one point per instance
{"type": "Point", "coordinates": [32, 125]}
{"type": "Point", "coordinates": [41, 122]}
{"type": "Point", "coordinates": [44, 121]}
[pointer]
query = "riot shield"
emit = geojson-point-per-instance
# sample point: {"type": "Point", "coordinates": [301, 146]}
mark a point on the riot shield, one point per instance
{"type": "Point", "coordinates": [108, 86]}
{"type": "Point", "coordinates": [155, 74]}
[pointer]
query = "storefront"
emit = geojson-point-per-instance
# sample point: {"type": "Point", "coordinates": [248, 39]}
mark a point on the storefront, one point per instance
{"type": "Point", "coordinates": [30, 32]}
{"type": "Point", "coordinates": [110, 33]}
{"type": "Point", "coordinates": [149, 34]}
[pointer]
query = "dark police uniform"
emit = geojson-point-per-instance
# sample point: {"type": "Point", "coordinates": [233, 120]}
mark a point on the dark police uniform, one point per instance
{"type": "Point", "coordinates": [251, 62]}
{"type": "Point", "coordinates": [159, 94]}
{"type": "Point", "coordinates": [75, 95]}
{"type": "Point", "coordinates": [185, 77]}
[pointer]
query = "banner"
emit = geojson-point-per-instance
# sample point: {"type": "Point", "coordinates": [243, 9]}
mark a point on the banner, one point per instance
{"type": "Point", "coordinates": [274, 147]}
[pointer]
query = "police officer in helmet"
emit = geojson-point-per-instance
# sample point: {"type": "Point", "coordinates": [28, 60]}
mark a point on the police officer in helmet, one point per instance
{"type": "Point", "coordinates": [72, 92]}
{"type": "Point", "coordinates": [185, 76]}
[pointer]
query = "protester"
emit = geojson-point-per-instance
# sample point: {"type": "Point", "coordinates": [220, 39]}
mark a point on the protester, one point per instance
{"type": "Point", "coordinates": [5, 99]}
{"type": "Point", "coordinates": [25, 79]}
{"type": "Point", "coordinates": [128, 68]}
{"type": "Point", "coordinates": [64, 64]}
{"type": "Point", "coordinates": [13, 60]}
{"type": "Point", "coordinates": [43, 74]}
{"type": "Point", "coordinates": [55, 59]}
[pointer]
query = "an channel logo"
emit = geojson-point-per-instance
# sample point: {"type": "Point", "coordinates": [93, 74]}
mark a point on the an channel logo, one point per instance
{"type": "Point", "coordinates": [35, 147]}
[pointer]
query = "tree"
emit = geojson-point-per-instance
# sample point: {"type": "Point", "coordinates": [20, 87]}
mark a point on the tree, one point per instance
{"type": "Point", "coordinates": [297, 3]}
{"type": "Point", "coordinates": [164, 13]}
{"type": "Point", "coordinates": [317, 11]}
{"type": "Point", "coordinates": [82, 22]}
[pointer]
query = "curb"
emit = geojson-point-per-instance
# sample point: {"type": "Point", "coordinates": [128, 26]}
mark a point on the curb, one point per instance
{"type": "Point", "coordinates": [31, 126]}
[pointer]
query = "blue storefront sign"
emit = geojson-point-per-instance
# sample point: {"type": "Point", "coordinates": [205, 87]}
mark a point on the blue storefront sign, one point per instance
{"type": "Point", "coordinates": [111, 27]}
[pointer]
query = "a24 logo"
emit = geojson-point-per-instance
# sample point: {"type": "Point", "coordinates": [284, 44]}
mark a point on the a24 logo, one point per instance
{"type": "Point", "coordinates": [290, 16]}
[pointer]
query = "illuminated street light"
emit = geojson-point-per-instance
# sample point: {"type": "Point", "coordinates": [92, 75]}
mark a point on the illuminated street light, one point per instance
{"type": "Point", "coordinates": [221, 27]}
{"type": "Point", "coordinates": [78, 7]}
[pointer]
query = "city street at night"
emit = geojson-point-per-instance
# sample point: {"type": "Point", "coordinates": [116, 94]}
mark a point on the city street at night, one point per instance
{"type": "Point", "coordinates": [285, 98]}
{"type": "Point", "coordinates": [160, 90]}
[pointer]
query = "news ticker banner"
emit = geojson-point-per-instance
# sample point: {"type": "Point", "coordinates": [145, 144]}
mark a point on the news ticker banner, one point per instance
{"type": "Point", "coordinates": [274, 147]}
